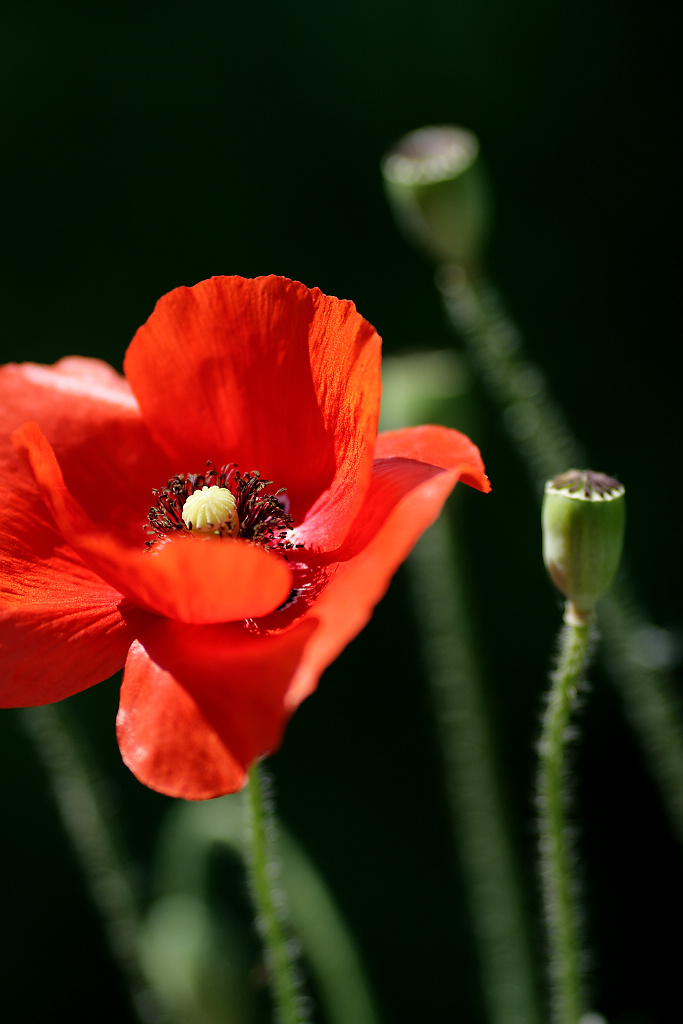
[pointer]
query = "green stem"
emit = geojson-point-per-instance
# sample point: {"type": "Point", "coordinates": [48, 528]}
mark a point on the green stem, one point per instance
{"type": "Point", "coordinates": [82, 808]}
{"type": "Point", "coordinates": [543, 439]}
{"type": "Point", "coordinates": [191, 834]}
{"type": "Point", "coordinates": [530, 414]}
{"type": "Point", "coordinates": [556, 858]}
{"type": "Point", "coordinates": [651, 703]}
{"type": "Point", "coordinates": [288, 999]}
{"type": "Point", "coordinates": [476, 801]}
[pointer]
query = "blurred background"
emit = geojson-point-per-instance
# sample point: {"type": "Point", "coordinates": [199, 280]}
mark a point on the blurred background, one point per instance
{"type": "Point", "coordinates": [149, 145]}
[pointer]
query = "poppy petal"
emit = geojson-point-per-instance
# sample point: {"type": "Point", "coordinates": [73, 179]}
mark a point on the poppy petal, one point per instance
{"type": "Point", "coordinates": [191, 579]}
{"type": "Point", "coordinates": [62, 635]}
{"type": "Point", "coordinates": [271, 375]}
{"type": "Point", "coordinates": [60, 626]}
{"type": "Point", "coordinates": [346, 364]}
{"type": "Point", "coordinates": [92, 419]}
{"type": "Point", "coordinates": [405, 497]}
{"type": "Point", "coordinates": [200, 704]}
{"type": "Point", "coordinates": [164, 738]}
{"type": "Point", "coordinates": [438, 446]}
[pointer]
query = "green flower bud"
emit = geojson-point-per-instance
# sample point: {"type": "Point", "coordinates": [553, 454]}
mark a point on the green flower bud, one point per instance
{"type": "Point", "coordinates": [438, 191]}
{"type": "Point", "coordinates": [584, 515]}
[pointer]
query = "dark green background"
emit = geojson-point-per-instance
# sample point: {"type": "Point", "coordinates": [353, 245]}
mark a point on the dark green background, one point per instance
{"type": "Point", "coordinates": [148, 145]}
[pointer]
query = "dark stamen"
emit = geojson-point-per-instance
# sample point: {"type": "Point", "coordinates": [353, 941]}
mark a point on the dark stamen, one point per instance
{"type": "Point", "coordinates": [262, 517]}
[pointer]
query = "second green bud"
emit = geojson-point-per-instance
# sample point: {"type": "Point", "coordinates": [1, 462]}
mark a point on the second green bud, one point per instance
{"type": "Point", "coordinates": [584, 518]}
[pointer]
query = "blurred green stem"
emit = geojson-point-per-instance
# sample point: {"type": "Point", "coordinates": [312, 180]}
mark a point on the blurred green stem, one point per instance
{"type": "Point", "coordinates": [193, 831]}
{"type": "Point", "coordinates": [476, 803]}
{"type": "Point", "coordinates": [547, 446]}
{"type": "Point", "coordinates": [558, 883]}
{"type": "Point", "coordinates": [531, 417]}
{"type": "Point", "coordinates": [82, 808]}
{"type": "Point", "coordinates": [269, 901]}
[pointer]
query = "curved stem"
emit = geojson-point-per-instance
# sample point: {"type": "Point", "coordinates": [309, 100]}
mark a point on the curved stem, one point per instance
{"type": "Point", "coordinates": [651, 704]}
{"type": "Point", "coordinates": [531, 416]}
{"type": "Point", "coordinates": [556, 859]}
{"type": "Point", "coordinates": [82, 808]}
{"type": "Point", "coordinates": [476, 801]}
{"type": "Point", "coordinates": [289, 1001]}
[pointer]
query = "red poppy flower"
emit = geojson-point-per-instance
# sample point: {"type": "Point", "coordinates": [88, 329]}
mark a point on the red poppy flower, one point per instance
{"type": "Point", "coordinates": [226, 611]}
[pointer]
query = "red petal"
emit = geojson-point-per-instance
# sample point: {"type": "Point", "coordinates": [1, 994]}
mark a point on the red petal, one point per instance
{"type": "Point", "coordinates": [438, 446]}
{"type": "Point", "coordinates": [67, 635]}
{"type": "Point", "coordinates": [60, 626]}
{"type": "Point", "coordinates": [405, 497]}
{"type": "Point", "coordinates": [61, 629]}
{"type": "Point", "coordinates": [199, 580]}
{"type": "Point", "coordinates": [271, 375]}
{"type": "Point", "coordinates": [94, 424]}
{"type": "Point", "coordinates": [164, 738]}
{"type": "Point", "coordinates": [346, 364]}
{"type": "Point", "coordinates": [200, 704]}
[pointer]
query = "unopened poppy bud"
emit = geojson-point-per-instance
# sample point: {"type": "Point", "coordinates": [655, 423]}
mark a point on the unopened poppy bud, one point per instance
{"type": "Point", "coordinates": [584, 515]}
{"type": "Point", "coordinates": [211, 510]}
{"type": "Point", "coordinates": [438, 191]}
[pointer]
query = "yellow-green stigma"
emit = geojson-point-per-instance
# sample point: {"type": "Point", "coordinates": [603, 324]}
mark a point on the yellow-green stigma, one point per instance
{"type": "Point", "coordinates": [212, 510]}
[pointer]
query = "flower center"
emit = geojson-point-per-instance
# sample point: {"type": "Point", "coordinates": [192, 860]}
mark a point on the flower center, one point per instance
{"type": "Point", "coordinates": [222, 502]}
{"type": "Point", "coordinates": [211, 510]}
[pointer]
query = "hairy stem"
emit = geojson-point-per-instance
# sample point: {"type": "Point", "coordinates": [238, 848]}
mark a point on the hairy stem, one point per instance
{"type": "Point", "coordinates": [476, 801]}
{"type": "Point", "coordinates": [559, 889]}
{"type": "Point", "coordinates": [269, 903]}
